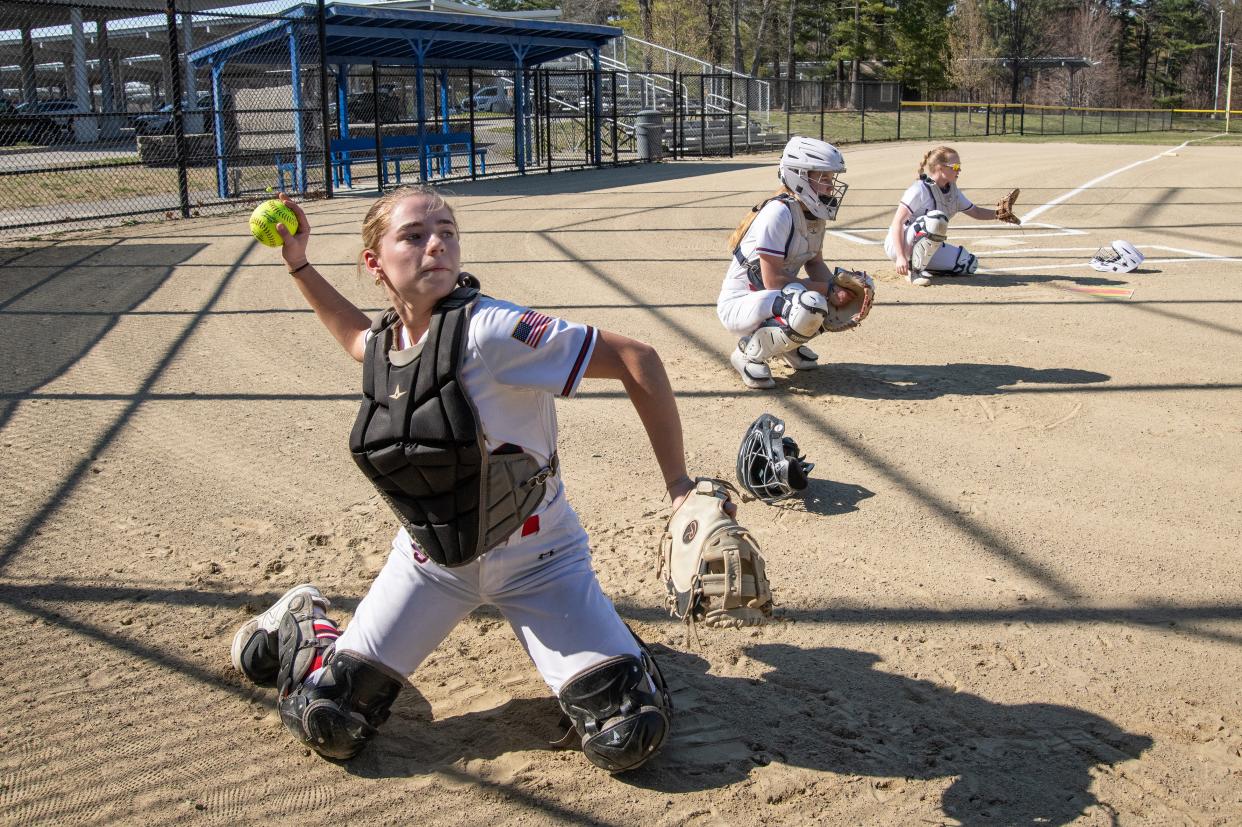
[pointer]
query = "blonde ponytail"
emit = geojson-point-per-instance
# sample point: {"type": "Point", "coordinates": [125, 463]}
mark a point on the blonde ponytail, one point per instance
{"type": "Point", "coordinates": [749, 218]}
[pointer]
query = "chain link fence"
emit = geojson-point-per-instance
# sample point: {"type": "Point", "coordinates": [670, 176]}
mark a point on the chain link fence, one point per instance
{"type": "Point", "coordinates": [147, 108]}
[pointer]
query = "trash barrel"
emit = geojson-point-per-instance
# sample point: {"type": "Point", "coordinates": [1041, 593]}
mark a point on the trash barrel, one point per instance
{"type": "Point", "coordinates": [649, 134]}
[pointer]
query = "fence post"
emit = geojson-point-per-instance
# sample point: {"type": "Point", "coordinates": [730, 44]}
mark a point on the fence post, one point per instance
{"type": "Point", "coordinates": [183, 185]}
{"type": "Point", "coordinates": [322, 36]}
{"type": "Point", "coordinates": [929, 119]}
{"type": "Point", "coordinates": [955, 122]}
{"type": "Point", "coordinates": [677, 102]}
{"type": "Point", "coordinates": [899, 108]}
{"type": "Point", "coordinates": [788, 105]}
{"type": "Point", "coordinates": [987, 124]}
{"type": "Point", "coordinates": [379, 147]}
{"type": "Point", "coordinates": [470, 97]}
{"type": "Point", "coordinates": [862, 115]}
{"type": "Point", "coordinates": [616, 149]}
{"type": "Point", "coordinates": [702, 117]}
{"type": "Point", "coordinates": [731, 116]}
{"type": "Point", "coordinates": [821, 110]}
{"type": "Point", "coordinates": [1022, 120]}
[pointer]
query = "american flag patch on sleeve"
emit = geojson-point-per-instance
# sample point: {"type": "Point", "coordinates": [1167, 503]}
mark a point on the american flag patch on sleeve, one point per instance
{"type": "Point", "coordinates": [530, 328]}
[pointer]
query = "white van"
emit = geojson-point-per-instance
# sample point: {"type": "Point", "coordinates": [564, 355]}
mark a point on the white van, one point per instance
{"type": "Point", "coordinates": [489, 99]}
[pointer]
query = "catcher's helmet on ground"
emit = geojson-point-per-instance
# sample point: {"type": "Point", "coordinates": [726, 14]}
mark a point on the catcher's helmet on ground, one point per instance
{"type": "Point", "coordinates": [1118, 257]}
{"type": "Point", "coordinates": [805, 158]}
{"type": "Point", "coordinates": [768, 465]}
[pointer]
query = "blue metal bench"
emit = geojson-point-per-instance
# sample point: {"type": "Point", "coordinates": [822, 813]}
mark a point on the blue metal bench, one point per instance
{"type": "Point", "coordinates": [438, 149]}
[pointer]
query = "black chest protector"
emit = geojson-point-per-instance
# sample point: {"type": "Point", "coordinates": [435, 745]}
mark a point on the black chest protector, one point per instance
{"type": "Point", "coordinates": [418, 438]}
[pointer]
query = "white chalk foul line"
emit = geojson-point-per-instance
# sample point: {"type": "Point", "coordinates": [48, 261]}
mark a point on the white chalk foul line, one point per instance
{"type": "Point", "coordinates": [854, 234]}
{"type": "Point", "coordinates": [1066, 196]}
{"type": "Point", "coordinates": [1197, 257]}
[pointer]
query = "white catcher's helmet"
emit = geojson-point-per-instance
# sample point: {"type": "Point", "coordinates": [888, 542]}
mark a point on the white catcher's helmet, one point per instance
{"type": "Point", "coordinates": [1118, 257]}
{"type": "Point", "coordinates": [805, 155]}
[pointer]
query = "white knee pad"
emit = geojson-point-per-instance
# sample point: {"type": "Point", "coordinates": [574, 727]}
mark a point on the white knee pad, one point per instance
{"type": "Point", "coordinates": [766, 342]}
{"type": "Point", "coordinates": [800, 312]}
{"type": "Point", "coordinates": [930, 231]}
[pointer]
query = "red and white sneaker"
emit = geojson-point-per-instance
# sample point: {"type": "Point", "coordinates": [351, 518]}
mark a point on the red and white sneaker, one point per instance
{"type": "Point", "coordinates": [255, 648]}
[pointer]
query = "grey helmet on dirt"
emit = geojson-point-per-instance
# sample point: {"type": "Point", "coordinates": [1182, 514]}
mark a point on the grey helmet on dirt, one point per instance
{"type": "Point", "coordinates": [1118, 257]}
{"type": "Point", "coordinates": [804, 157]}
{"type": "Point", "coordinates": [768, 464]}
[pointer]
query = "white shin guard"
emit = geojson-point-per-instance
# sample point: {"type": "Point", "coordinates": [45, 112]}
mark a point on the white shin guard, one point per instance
{"type": "Point", "coordinates": [930, 232]}
{"type": "Point", "coordinates": [766, 342]}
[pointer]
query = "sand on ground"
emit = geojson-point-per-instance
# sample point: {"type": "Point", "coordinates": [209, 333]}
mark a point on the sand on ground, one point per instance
{"type": "Point", "coordinates": [1010, 595]}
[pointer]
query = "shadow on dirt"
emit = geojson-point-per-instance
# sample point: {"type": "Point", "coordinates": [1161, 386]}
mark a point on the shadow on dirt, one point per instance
{"type": "Point", "coordinates": [830, 709]}
{"type": "Point", "coordinates": [930, 381]}
{"type": "Point", "coordinates": [62, 300]}
{"type": "Point", "coordinates": [826, 709]}
{"type": "Point", "coordinates": [825, 497]}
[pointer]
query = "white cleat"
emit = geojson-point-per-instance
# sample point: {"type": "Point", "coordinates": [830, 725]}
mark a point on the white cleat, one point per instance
{"type": "Point", "coordinates": [254, 644]}
{"type": "Point", "coordinates": [755, 374]}
{"type": "Point", "coordinates": [801, 358]}
{"type": "Point", "coordinates": [922, 279]}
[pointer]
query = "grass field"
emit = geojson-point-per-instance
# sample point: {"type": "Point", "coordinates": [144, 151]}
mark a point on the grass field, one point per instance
{"type": "Point", "coordinates": [123, 179]}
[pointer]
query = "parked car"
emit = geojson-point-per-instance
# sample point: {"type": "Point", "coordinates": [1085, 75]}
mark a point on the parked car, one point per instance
{"type": "Point", "coordinates": [48, 121]}
{"type": "Point", "coordinates": [361, 107]}
{"type": "Point", "coordinates": [160, 122]}
{"type": "Point", "coordinates": [11, 130]}
{"type": "Point", "coordinates": [489, 99]}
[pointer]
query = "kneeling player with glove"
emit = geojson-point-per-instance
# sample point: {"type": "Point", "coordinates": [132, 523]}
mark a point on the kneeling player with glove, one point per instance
{"type": "Point", "coordinates": [916, 238]}
{"type": "Point", "coordinates": [763, 301]}
{"type": "Point", "coordinates": [457, 432]}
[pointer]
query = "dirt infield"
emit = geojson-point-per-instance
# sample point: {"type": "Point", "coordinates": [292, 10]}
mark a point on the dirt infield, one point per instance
{"type": "Point", "coordinates": [1012, 595]}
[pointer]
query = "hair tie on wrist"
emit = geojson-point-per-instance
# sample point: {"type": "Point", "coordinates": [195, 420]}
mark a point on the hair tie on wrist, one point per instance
{"type": "Point", "coordinates": [299, 268]}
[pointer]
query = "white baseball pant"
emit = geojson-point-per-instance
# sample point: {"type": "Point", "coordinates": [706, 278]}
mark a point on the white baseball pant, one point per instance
{"type": "Point", "coordinates": [542, 583]}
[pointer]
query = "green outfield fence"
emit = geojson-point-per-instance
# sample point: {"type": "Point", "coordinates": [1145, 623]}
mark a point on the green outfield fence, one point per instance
{"type": "Point", "coordinates": [104, 119]}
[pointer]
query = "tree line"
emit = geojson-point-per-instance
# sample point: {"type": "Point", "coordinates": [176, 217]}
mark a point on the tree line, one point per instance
{"type": "Point", "coordinates": [1160, 53]}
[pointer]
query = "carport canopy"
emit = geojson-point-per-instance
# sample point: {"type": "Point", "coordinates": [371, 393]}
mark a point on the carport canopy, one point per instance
{"type": "Point", "coordinates": [398, 37]}
{"type": "Point", "coordinates": [394, 37]}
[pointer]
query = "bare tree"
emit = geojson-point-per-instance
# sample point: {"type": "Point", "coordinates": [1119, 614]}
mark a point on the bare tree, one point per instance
{"type": "Point", "coordinates": [764, 14]}
{"type": "Point", "coordinates": [644, 16]}
{"type": "Point", "coordinates": [737, 36]}
{"type": "Point", "coordinates": [1092, 33]}
{"type": "Point", "coordinates": [792, 57]}
{"type": "Point", "coordinates": [589, 11]}
{"type": "Point", "coordinates": [974, 50]}
{"type": "Point", "coordinates": [1024, 35]}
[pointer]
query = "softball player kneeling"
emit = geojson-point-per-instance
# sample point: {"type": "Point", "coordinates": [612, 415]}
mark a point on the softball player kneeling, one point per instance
{"type": "Point", "coordinates": [458, 433]}
{"type": "Point", "coordinates": [916, 238]}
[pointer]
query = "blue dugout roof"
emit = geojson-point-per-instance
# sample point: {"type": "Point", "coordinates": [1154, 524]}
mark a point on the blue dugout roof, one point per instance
{"type": "Point", "coordinates": [394, 37]}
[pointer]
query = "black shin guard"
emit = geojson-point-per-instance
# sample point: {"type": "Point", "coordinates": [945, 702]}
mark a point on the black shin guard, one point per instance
{"type": "Point", "coordinates": [339, 714]}
{"type": "Point", "coordinates": [622, 722]}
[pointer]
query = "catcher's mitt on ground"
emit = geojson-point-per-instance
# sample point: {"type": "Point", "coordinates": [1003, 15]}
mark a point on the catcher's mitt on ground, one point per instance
{"type": "Point", "coordinates": [713, 568]}
{"type": "Point", "coordinates": [1004, 208]}
{"type": "Point", "coordinates": [851, 315]}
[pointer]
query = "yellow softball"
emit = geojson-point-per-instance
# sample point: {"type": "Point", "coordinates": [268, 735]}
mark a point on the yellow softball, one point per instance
{"type": "Point", "coordinates": [266, 216]}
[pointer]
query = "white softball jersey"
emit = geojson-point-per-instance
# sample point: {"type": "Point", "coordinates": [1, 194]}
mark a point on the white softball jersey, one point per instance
{"type": "Point", "coordinates": [517, 361]}
{"type": "Point", "coordinates": [920, 198]}
{"type": "Point", "coordinates": [774, 232]}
